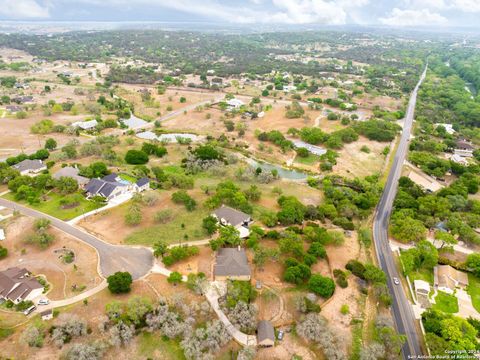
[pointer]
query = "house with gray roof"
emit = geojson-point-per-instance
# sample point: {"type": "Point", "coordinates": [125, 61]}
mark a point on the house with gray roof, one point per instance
{"type": "Point", "coordinates": [142, 184]}
{"type": "Point", "coordinates": [238, 219]}
{"type": "Point", "coordinates": [18, 285]}
{"type": "Point", "coordinates": [30, 167]}
{"type": "Point", "coordinates": [71, 172]}
{"type": "Point", "coordinates": [265, 334]}
{"type": "Point", "coordinates": [232, 264]}
{"type": "Point", "coordinates": [106, 189]}
{"type": "Point", "coordinates": [13, 108]}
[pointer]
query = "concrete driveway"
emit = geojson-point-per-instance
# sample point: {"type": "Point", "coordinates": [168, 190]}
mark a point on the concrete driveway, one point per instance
{"type": "Point", "coordinates": [112, 258]}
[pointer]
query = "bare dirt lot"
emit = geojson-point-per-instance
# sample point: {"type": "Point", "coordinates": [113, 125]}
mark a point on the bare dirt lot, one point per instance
{"type": "Point", "coordinates": [353, 162]}
{"type": "Point", "coordinates": [82, 272]}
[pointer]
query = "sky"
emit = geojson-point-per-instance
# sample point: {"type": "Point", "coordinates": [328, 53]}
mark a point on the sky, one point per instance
{"type": "Point", "coordinates": [408, 13]}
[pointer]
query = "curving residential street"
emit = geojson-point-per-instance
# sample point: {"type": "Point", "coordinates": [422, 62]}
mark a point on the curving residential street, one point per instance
{"type": "Point", "coordinates": [112, 258]}
{"type": "Point", "coordinates": [402, 309]}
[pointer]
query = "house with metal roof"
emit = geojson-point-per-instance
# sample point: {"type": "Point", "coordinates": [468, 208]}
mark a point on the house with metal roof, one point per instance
{"type": "Point", "coordinates": [18, 285]}
{"type": "Point", "coordinates": [232, 264]}
{"type": "Point", "coordinates": [265, 334]}
{"type": "Point", "coordinates": [30, 167]}
{"type": "Point", "coordinates": [238, 219]}
{"type": "Point", "coordinates": [85, 125]}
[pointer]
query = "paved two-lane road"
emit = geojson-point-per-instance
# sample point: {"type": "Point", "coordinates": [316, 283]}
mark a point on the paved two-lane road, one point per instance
{"type": "Point", "coordinates": [136, 260]}
{"type": "Point", "coordinates": [401, 308]}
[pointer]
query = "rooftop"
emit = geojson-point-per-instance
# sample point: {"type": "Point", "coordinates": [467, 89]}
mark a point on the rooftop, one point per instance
{"type": "Point", "coordinates": [231, 216]}
{"type": "Point", "coordinates": [232, 262]}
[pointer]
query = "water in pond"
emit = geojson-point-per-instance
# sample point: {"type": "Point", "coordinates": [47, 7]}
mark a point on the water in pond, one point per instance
{"type": "Point", "coordinates": [282, 172]}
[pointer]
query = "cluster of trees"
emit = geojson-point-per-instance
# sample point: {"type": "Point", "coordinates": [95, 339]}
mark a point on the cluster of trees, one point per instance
{"type": "Point", "coordinates": [448, 332]}
{"type": "Point", "coordinates": [277, 138]}
{"type": "Point", "coordinates": [374, 276]}
{"type": "Point", "coordinates": [423, 256]}
{"type": "Point", "coordinates": [415, 211]}
{"type": "Point", "coordinates": [173, 254]}
{"type": "Point", "coordinates": [334, 140]}
{"type": "Point", "coordinates": [228, 193]}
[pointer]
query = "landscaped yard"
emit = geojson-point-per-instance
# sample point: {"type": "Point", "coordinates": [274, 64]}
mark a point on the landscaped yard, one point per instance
{"type": "Point", "coordinates": [311, 159]}
{"type": "Point", "coordinates": [173, 231]}
{"type": "Point", "coordinates": [474, 290]}
{"type": "Point", "coordinates": [446, 303]}
{"type": "Point", "coordinates": [53, 207]}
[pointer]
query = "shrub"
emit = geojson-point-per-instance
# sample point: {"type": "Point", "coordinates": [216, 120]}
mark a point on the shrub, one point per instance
{"type": "Point", "coordinates": [181, 197]}
{"type": "Point", "coordinates": [163, 216]}
{"type": "Point", "coordinates": [3, 252]}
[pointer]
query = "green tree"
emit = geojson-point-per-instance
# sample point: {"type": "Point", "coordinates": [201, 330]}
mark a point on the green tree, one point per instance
{"type": "Point", "coordinates": [473, 263]}
{"type": "Point", "coordinates": [136, 157]}
{"type": "Point", "coordinates": [174, 278]}
{"type": "Point", "coordinates": [160, 248]}
{"type": "Point", "coordinates": [120, 282]}
{"type": "Point", "coordinates": [210, 224]}
{"type": "Point", "coordinates": [321, 285]}
{"type": "Point", "coordinates": [50, 144]}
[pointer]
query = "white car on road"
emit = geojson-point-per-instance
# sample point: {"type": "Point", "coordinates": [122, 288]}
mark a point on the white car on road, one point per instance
{"type": "Point", "coordinates": [43, 302]}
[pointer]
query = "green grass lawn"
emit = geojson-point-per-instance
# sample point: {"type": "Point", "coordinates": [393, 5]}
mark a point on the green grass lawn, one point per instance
{"type": "Point", "coordinates": [473, 290]}
{"type": "Point", "coordinates": [52, 206]}
{"type": "Point", "coordinates": [311, 159]}
{"type": "Point", "coordinates": [153, 346]}
{"type": "Point", "coordinates": [128, 178]}
{"type": "Point", "coordinates": [422, 274]}
{"type": "Point", "coordinates": [172, 232]}
{"type": "Point", "coordinates": [446, 303]}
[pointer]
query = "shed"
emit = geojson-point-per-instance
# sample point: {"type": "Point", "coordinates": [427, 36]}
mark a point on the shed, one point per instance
{"type": "Point", "coordinates": [265, 334]}
{"type": "Point", "coordinates": [47, 315]}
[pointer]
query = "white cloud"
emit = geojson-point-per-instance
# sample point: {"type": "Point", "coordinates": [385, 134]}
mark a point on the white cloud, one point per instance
{"type": "Point", "coordinates": [468, 6]}
{"type": "Point", "coordinates": [410, 17]}
{"type": "Point", "coordinates": [331, 12]}
{"type": "Point", "coordinates": [21, 9]}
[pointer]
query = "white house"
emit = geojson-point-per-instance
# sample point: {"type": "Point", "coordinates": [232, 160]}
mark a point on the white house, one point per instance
{"type": "Point", "coordinates": [448, 128]}
{"type": "Point", "coordinates": [235, 103]}
{"type": "Point", "coordinates": [17, 285]}
{"type": "Point", "coordinates": [30, 167]}
{"type": "Point", "coordinates": [85, 125]}
{"type": "Point", "coordinates": [289, 88]}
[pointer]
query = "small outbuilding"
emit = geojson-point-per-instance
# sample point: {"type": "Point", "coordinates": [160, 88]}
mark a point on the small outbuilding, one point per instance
{"type": "Point", "coordinates": [47, 315]}
{"type": "Point", "coordinates": [265, 334]}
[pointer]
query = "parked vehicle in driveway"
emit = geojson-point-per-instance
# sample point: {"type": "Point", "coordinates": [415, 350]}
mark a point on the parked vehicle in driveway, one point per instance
{"type": "Point", "coordinates": [29, 310]}
{"type": "Point", "coordinates": [43, 302]}
{"type": "Point", "coordinates": [280, 335]}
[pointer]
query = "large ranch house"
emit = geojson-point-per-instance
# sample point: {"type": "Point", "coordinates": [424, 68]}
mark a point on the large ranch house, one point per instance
{"type": "Point", "coordinates": [18, 285]}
